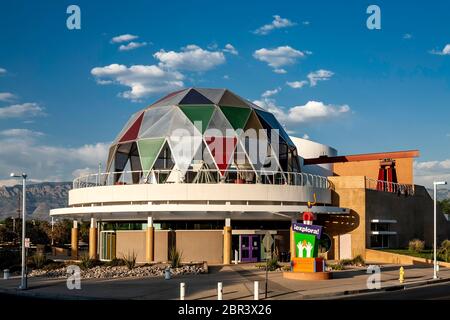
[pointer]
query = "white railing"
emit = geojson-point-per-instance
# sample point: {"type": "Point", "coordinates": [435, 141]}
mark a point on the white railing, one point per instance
{"type": "Point", "coordinates": [392, 187]}
{"type": "Point", "coordinates": [235, 176]}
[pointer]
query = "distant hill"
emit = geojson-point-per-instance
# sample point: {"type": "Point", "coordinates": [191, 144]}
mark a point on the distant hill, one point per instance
{"type": "Point", "coordinates": [41, 197]}
{"type": "Point", "coordinates": [442, 193]}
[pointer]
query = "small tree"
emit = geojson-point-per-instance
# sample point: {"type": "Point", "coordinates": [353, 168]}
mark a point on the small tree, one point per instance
{"type": "Point", "coordinates": [416, 245]}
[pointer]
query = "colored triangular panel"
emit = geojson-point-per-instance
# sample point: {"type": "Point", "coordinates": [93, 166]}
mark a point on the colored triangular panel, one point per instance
{"type": "Point", "coordinates": [237, 116]}
{"type": "Point", "coordinates": [195, 97]}
{"type": "Point", "coordinates": [212, 94]}
{"type": "Point", "coordinates": [199, 115]}
{"type": "Point", "coordinates": [222, 150]}
{"type": "Point", "coordinates": [133, 131]}
{"type": "Point", "coordinates": [171, 99]}
{"type": "Point", "coordinates": [230, 99]}
{"type": "Point", "coordinates": [272, 123]}
{"type": "Point", "coordinates": [148, 151]}
{"type": "Point", "coordinates": [130, 121]}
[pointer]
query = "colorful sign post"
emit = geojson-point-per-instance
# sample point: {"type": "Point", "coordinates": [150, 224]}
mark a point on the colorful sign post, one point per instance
{"type": "Point", "coordinates": [306, 238]}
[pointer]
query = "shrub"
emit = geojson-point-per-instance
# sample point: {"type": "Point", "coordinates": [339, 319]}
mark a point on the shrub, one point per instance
{"type": "Point", "coordinates": [416, 245]}
{"type": "Point", "coordinates": [88, 263]}
{"type": "Point", "coordinates": [115, 262]}
{"type": "Point", "coordinates": [38, 261]}
{"type": "Point", "coordinates": [358, 261]}
{"type": "Point", "coordinates": [175, 258]}
{"type": "Point", "coordinates": [444, 250]}
{"type": "Point", "coordinates": [337, 266]}
{"type": "Point", "coordinates": [53, 265]}
{"type": "Point", "coordinates": [272, 264]}
{"type": "Point", "coordinates": [130, 260]}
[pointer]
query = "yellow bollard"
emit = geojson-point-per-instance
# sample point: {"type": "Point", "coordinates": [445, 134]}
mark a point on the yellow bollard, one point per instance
{"type": "Point", "coordinates": [402, 275]}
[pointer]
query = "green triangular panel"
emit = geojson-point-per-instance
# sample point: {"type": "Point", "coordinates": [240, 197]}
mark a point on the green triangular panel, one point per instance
{"type": "Point", "coordinates": [148, 151]}
{"type": "Point", "coordinates": [237, 116]}
{"type": "Point", "coordinates": [199, 115]}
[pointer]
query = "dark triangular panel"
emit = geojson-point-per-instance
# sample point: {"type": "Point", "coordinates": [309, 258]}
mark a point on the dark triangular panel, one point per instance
{"type": "Point", "coordinates": [232, 100]}
{"type": "Point", "coordinates": [195, 97]}
{"type": "Point", "coordinates": [212, 94]}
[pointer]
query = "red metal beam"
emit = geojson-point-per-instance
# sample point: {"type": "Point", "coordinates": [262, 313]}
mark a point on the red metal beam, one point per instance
{"type": "Point", "coordinates": [363, 157]}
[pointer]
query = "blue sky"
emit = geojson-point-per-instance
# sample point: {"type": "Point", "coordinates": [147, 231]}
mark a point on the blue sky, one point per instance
{"type": "Point", "coordinates": [65, 94]}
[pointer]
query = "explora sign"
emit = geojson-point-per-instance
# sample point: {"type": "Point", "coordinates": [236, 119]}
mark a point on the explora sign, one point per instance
{"type": "Point", "coordinates": [308, 229]}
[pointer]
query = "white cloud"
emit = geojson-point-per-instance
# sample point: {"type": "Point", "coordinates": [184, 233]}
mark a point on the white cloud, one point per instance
{"type": "Point", "coordinates": [29, 109]}
{"type": "Point", "coordinates": [226, 77]}
{"type": "Point", "coordinates": [141, 79]}
{"type": "Point", "coordinates": [124, 38]}
{"type": "Point", "coordinates": [305, 136]}
{"type": "Point", "coordinates": [428, 171]}
{"type": "Point", "coordinates": [132, 45]}
{"type": "Point", "coordinates": [2, 71]}
{"type": "Point", "coordinates": [443, 52]}
{"type": "Point", "coordinates": [20, 133]}
{"type": "Point", "coordinates": [190, 58]}
{"type": "Point", "coordinates": [7, 96]}
{"type": "Point", "coordinates": [306, 23]}
{"type": "Point", "coordinates": [230, 49]}
{"type": "Point", "coordinates": [297, 84]}
{"type": "Point", "coordinates": [319, 75]}
{"type": "Point", "coordinates": [407, 36]}
{"type": "Point", "coordinates": [277, 23]}
{"type": "Point", "coordinates": [269, 93]}
{"type": "Point", "coordinates": [22, 150]}
{"type": "Point", "coordinates": [309, 112]}
{"type": "Point", "coordinates": [278, 57]}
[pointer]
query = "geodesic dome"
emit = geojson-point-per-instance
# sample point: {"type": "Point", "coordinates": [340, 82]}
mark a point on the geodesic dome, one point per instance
{"type": "Point", "coordinates": [202, 129]}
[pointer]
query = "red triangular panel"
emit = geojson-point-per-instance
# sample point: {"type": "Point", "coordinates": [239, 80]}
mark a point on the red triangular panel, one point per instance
{"type": "Point", "coordinates": [132, 133]}
{"type": "Point", "coordinates": [222, 149]}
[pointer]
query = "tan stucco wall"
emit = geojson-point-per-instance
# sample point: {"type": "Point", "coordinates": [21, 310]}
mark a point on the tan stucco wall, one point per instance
{"type": "Point", "coordinates": [414, 215]}
{"type": "Point", "coordinates": [200, 245]}
{"type": "Point", "coordinates": [128, 242]}
{"type": "Point", "coordinates": [404, 168]}
{"type": "Point", "coordinates": [378, 256]}
{"type": "Point", "coordinates": [161, 245]}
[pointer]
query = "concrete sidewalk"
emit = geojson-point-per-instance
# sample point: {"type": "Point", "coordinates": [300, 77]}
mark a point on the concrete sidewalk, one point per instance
{"type": "Point", "coordinates": [237, 282]}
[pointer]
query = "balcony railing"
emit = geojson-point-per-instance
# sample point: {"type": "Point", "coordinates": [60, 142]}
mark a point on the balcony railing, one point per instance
{"type": "Point", "coordinates": [398, 188]}
{"type": "Point", "coordinates": [231, 176]}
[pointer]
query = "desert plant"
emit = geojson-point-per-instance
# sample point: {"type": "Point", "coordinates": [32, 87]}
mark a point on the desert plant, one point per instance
{"type": "Point", "coordinates": [358, 261]}
{"type": "Point", "coordinates": [175, 258]}
{"type": "Point", "coordinates": [38, 260]}
{"type": "Point", "coordinates": [130, 260]}
{"type": "Point", "coordinates": [416, 245]}
{"type": "Point", "coordinates": [115, 262]}
{"type": "Point", "coordinates": [272, 264]}
{"type": "Point", "coordinates": [444, 250]}
{"type": "Point", "coordinates": [88, 263]}
{"type": "Point", "coordinates": [336, 266]}
{"type": "Point", "coordinates": [52, 265]}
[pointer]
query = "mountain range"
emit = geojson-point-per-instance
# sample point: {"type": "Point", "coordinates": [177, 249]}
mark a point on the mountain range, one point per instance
{"type": "Point", "coordinates": [41, 197]}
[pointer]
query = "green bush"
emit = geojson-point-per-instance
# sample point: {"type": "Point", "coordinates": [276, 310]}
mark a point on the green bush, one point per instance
{"type": "Point", "coordinates": [336, 266]}
{"type": "Point", "coordinates": [272, 264]}
{"type": "Point", "coordinates": [115, 262]}
{"type": "Point", "coordinates": [444, 251]}
{"type": "Point", "coordinates": [175, 258]}
{"type": "Point", "coordinates": [416, 245]}
{"type": "Point", "coordinates": [88, 263]}
{"type": "Point", "coordinates": [358, 261]}
{"type": "Point", "coordinates": [130, 260]}
{"type": "Point", "coordinates": [38, 261]}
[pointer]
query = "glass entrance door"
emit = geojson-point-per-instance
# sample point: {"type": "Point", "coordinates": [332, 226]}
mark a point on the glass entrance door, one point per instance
{"type": "Point", "coordinates": [250, 248]}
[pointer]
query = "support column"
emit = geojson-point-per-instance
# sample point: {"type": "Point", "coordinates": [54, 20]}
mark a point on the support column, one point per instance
{"type": "Point", "coordinates": [93, 239]}
{"type": "Point", "coordinates": [227, 242]}
{"type": "Point", "coordinates": [292, 240]}
{"type": "Point", "coordinates": [150, 241]}
{"type": "Point", "coordinates": [74, 242]}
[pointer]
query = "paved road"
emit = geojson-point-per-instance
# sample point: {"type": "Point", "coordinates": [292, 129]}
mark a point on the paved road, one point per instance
{"type": "Point", "coordinates": [429, 292]}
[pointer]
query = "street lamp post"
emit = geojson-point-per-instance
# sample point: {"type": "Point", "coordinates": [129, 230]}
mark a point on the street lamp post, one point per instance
{"type": "Point", "coordinates": [23, 283]}
{"type": "Point", "coordinates": [435, 184]}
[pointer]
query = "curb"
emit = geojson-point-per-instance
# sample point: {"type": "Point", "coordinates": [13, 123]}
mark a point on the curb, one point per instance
{"type": "Point", "coordinates": [383, 289]}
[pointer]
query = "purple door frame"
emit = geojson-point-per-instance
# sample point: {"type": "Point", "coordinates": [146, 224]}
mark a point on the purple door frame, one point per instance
{"type": "Point", "coordinates": [252, 256]}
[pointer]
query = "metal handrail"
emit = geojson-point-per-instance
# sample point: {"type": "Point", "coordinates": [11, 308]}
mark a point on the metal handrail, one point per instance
{"type": "Point", "coordinates": [392, 187]}
{"type": "Point", "coordinates": [201, 176]}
